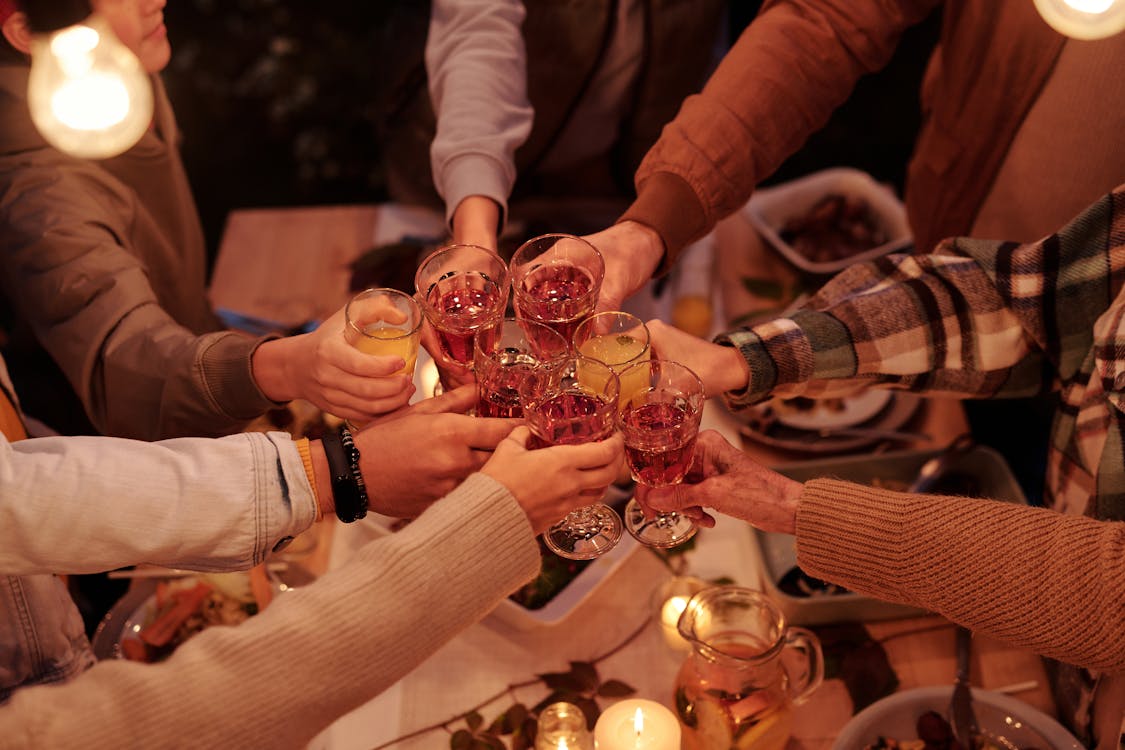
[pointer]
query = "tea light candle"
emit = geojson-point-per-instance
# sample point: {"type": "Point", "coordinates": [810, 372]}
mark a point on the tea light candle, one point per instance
{"type": "Point", "coordinates": [562, 726]}
{"type": "Point", "coordinates": [669, 602]}
{"type": "Point", "coordinates": [637, 724]}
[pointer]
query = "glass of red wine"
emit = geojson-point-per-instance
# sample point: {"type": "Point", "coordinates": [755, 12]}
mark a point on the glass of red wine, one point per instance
{"type": "Point", "coordinates": [463, 292]}
{"type": "Point", "coordinates": [660, 423]}
{"type": "Point", "coordinates": [555, 281]}
{"type": "Point", "coordinates": [501, 362]}
{"type": "Point", "coordinates": [561, 409]}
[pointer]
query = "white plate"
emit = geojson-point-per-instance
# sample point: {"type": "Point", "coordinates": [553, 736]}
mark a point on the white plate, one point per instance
{"type": "Point", "coordinates": [769, 209]}
{"type": "Point", "coordinates": [896, 716]}
{"type": "Point", "coordinates": [845, 412]}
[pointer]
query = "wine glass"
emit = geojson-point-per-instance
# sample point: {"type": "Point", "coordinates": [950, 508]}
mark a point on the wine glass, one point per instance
{"type": "Point", "coordinates": [561, 410]}
{"type": "Point", "coordinates": [618, 339]}
{"type": "Point", "coordinates": [556, 279]}
{"type": "Point", "coordinates": [463, 291]}
{"type": "Point", "coordinates": [660, 422]}
{"type": "Point", "coordinates": [501, 362]}
{"type": "Point", "coordinates": [384, 322]}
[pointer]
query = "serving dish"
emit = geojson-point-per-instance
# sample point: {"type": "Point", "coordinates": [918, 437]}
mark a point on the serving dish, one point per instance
{"type": "Point", "coordinates": [896, 410]}
{"type": "Point", "coordinates": [999, 715]}
{"type": "Point", "coordinates": [769, 209]}
{"type": "Point", "coordinates": [776, 554]}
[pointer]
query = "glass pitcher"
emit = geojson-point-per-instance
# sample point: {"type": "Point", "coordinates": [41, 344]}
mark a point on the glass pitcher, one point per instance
{"type": "Point", "coordinates": [746, 671]}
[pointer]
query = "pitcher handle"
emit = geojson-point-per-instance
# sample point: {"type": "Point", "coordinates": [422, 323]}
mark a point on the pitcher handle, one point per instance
{"type": "Point", "coordinates": [807, 644]}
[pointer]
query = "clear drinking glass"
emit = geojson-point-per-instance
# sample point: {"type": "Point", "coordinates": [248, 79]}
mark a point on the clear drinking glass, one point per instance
{"type": "Point", "coordinates": [384, 322]}
{"type": "Point", "coordinates": [556, 279]}
{"type": "Point", "coordinates": [618, 339]}
{"type": "Point", "coordinates": [463, 291]}
{"type": "Point", "coordinates": [500, 362]}
{"type": "Point", "coordinates": [560, 410]}
{"type": "Point", "coordinates": [660, 422]}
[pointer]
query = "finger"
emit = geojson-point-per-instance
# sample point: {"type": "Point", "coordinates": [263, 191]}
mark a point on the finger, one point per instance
{"type": "Point", "coordinates": [485, 433]}
{"type": "Point", "coordinates": [459, 400]}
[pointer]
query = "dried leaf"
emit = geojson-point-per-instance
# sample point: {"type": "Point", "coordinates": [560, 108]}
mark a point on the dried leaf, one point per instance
{"type": "Point", "coordinates": [851, 655]}
{"type": "Point", "coordinates": [510, 720]}
{"type": "Point", "coordinates": [461, 740]}
{"type": "Point", "coordinates": [591, 709]}
{"type": "Point", "coordinates": [615, 689]}
{"type": "Point", "coordinates": [474, 720]}
{"type": "Point", "coordinates": [524, 738]}
{"type": "Point", "coordinates": [488, 742]}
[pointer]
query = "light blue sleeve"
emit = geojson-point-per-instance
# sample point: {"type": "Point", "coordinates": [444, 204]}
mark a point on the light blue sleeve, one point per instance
{"type": "Point", "coordinates": [476, 63]}
{"type": "Point", "coordinates": [86, 504]}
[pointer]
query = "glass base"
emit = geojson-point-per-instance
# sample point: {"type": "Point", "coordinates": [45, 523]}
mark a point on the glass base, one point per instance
{"type": "Point", "coordinates": [662, 531]}
{"type": "Point", "coordinates": [585, 533]}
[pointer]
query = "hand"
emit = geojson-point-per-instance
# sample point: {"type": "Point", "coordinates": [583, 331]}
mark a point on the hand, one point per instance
{"type": "Point", "coordinates": [632, 253]}
{"type": "Point", "coordinates": [420, 453]}
{"type": "Point", "coordinates": [550, 482]}
{"type": "Point", "coordinates": [725, 479]}
{"type": "Point", "coordinates": [323, 368]}
{"type": "Point", "coordinates": [721, 368]}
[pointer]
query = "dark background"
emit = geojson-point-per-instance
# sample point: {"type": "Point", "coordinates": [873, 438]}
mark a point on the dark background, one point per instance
{"type": "Point", "coordinates": [279, 102]}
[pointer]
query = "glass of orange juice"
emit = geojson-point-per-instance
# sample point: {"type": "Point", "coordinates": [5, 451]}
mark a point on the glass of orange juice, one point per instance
{"type": "Point", "coordinates": [385, 322]}
{"type": "Point", "coordinates": [618, 339]}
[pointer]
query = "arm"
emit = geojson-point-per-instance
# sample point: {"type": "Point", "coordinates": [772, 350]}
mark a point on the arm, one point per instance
{"type": "Point", "coordinates": [475, 61]}
{"type": "Point", "coordinates": [314, 654]}
{"type": "Point", "coordinates": [792, 66]}
{"type": "Point", "coordinates": [940, 553]}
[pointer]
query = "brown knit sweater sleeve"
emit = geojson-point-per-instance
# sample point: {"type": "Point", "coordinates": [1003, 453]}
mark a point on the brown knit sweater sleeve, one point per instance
{"type": "Point", "coordinates": [1051, 583]}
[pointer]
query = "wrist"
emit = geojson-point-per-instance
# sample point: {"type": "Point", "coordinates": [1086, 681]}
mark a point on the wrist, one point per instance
{"type": "Point", "coordinates": [476, 221]}
{"type": "Point", "coordinates": [268, 369]}
{"type": "Point", "coordinates": [321, 479]}
{"type": "Point", "coordinates": [647, 242]}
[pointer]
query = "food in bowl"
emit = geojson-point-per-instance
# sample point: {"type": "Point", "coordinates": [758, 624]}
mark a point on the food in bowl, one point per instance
{"type": "Point", "coordinates": [934, 733]}
{"type": "Point", "coordinates": [837, 226]}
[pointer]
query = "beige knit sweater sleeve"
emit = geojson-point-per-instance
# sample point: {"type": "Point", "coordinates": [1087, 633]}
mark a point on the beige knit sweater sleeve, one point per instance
{"type": "Point", "coordinates": [1051, 583]}
{"type": "Point", "coordinates": [278, 679]}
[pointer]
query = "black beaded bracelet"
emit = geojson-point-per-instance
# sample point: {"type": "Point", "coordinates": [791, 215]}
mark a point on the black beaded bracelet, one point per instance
{"type": "Point", "coordinates": [348, 489]}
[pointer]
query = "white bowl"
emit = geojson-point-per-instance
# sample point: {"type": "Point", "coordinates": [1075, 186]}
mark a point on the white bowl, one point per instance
{"type": "Point", "coordinates": [770, 208]}
{"type": "Point", "coordinates": [896, 716]}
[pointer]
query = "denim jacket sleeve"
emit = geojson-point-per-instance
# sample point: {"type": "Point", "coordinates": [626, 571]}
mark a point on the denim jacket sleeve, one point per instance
{"type": "Point", "coordinates": [86, 504]}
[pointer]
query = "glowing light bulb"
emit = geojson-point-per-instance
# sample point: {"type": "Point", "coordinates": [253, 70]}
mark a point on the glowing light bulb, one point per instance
{"type": "Point", "coordinates": [87, 92]}
{"type": "Point", "coordinates": [1084, 19]}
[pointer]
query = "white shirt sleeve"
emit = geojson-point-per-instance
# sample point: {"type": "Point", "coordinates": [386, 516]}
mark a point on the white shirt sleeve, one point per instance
{"type": "Point", "coordinates": [87, 504]}
{"type": "Point", "coordinates": [476, 63]}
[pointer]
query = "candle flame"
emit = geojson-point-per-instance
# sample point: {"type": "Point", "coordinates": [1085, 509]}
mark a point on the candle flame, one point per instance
{"type": "Point", "coordinates": [639, 722]}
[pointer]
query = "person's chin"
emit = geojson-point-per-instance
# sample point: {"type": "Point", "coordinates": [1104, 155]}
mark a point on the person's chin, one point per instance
{"type": "Point", "coordinates": [156, 54]}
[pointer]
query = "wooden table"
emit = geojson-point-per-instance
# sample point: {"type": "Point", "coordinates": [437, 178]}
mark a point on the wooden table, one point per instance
{"type": "Point", "coordinates": [292, 265]}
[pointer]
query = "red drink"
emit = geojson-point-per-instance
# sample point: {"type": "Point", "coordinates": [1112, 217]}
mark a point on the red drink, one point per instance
{"type": "Point", "coordinates": [559, 295]}
{"type": "Point", "coordinates": [498, 386]}
{"type": "Point", "coordinates": [569, 418]}
{"type": "Point", "coordinates": [461, 313]}
{"type": "Point", "coordinates": [659, 442]}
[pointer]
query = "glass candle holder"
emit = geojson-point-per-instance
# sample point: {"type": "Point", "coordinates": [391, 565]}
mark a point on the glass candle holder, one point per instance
{"type": "Point", "coordinates": [562, 726]}
{"type": "Point", "coordinates": [669, 600]}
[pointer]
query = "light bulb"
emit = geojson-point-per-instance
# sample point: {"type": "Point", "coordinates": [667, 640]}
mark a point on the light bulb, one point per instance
{"type": "Point", "coordinates": [87, 92]}
{"type": "Point", "coordinates": [1084, 19]}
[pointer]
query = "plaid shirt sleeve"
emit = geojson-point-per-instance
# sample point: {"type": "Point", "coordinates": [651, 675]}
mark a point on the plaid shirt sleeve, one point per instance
{"type": "Point", "coordinates": [974, 319]}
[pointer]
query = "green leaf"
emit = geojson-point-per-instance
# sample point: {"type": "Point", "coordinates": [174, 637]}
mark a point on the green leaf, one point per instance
{"type": "Point", "coordinates": [524, 738]}
{"type": "Point", "coordinates": [510, 720]}
{"type": "Point", "coordinates": [586, 674]}
{"type": "Point", "coordinates": [851, 655]}
{"type": "Point", "coordinates": [461, 740]}
{"type": "Point", "coordinates": [562, 681]}
{"type": "Point", "coordinates": [474, 720]}
{"type": "Point", "coordinates": [591, 709]}
{"type": "Point", "coordinates": [615, 689]}
{"type": "Point", "coordinates": [765, 288]}
{"type": "Point", "coordinates": [486, 742]}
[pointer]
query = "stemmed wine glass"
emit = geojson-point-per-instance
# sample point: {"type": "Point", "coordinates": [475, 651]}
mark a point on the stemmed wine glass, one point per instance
{"type": "Point", "coordinates": [501, 362]}
{"type": "Point", "coordinates": [660, 423]}
{"type": "Point", "coordinates": [463, 291]}
{"type": "Point", "coordinates": [556, 279]}
{"type": "Point", "coordinates": [560, 409]}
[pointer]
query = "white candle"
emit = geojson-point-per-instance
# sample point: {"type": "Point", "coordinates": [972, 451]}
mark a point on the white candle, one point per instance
{"type": "Point", "coordinates": [637, 724]}
{"type": "Point", "coordinates": [670, 613]}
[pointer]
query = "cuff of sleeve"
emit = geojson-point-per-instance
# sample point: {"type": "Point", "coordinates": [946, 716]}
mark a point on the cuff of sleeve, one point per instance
{"type": "Point", "coordinates": [763, 371]}
{"type": "Point", "coordinates": [667, 203]}
{"type": "Point", "coordinates": [228, 376]}
{"type": "Point", "coordinates": [851, 534]}
{"type": "Point", "coordinates": [475, 174]}
{"type": "Point", "coordinates": [307, 462]}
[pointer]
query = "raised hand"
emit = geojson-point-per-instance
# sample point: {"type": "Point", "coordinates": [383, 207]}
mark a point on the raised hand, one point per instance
{"type": "Point", "coordinates": [721, 368]}
{"type": "Point", "coordinates": [632, 252]}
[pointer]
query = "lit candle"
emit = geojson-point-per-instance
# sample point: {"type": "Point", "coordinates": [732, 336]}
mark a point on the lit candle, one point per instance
{"type": "Point", "coordinates": [637, 724]}
{"type": "Point", "coordinates": [562, 726]}
{"type": "Point", "coordinates": [670, 613]}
